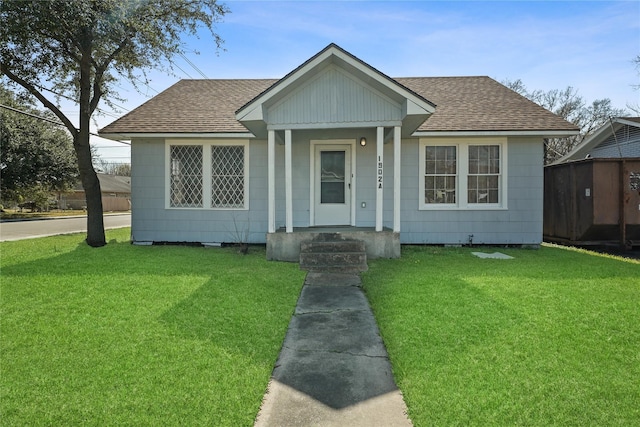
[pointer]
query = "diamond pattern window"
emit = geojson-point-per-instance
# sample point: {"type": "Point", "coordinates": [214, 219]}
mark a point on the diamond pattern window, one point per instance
{"type": "Point", "coordinates": [227, 176]}
{"type": "Point", "coordinates": [186, 176]}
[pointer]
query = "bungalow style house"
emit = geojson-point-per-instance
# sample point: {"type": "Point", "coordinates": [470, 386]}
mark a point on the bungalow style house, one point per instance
{"type": "Point", "coordinates": [337, 146]}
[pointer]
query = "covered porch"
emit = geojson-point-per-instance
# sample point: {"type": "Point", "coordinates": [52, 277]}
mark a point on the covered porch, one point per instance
{"type": "Point", "coordinates": [324, 172]}
{"type": "Point", "coordinates": [334, 196]}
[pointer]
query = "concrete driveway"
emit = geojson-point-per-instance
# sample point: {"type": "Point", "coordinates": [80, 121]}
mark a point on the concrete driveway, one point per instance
{"type": "Point", "coordinates": [30, 229]}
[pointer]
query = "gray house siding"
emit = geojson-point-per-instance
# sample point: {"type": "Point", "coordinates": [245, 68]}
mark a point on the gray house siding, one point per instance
{"type": "Point", "coordinates": [331, 98]}
{"type": "Point", "coordinates": [521, 223]}
{"type": "Point", "coordinates": [152, 222]}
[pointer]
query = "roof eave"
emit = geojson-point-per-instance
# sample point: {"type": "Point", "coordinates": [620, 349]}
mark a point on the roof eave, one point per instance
{"type": "Point", "coordinates": [542, 133]}
{"type": "Point", "coordinates": [128, 136]}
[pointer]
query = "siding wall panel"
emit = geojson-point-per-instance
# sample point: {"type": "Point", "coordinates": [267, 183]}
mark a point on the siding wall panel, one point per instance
{"type": "Point", "coordinates": [520, 224]}
{"type": "Point", "coordinates": [333, 97]}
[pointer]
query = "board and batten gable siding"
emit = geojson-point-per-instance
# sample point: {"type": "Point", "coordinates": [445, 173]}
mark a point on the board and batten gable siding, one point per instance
{"type": "Point", "coordinates": [151, 221]}
{"type": "Point", "coordinates": [520, 224]}
{"type": "Point", "coordinates": [331, 98]}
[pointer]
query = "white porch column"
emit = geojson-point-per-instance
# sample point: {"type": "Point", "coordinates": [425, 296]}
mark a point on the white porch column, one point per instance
{"type": "Point", "coordinates": [288, 181]}
{"type": "Point", "coordinates": [379, 176]}
{"type": "Point", "coordinates": [396, 179]}
{"type": "Point", "coordinates": [271, 181]}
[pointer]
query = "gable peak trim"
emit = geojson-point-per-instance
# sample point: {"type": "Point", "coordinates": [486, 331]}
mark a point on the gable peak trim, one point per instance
{"type": "Point", "coordinates": [325, 54]}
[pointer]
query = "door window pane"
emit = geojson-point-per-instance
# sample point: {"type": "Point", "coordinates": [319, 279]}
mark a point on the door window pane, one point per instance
{"type": "Point", "coordinates": [332, 178]}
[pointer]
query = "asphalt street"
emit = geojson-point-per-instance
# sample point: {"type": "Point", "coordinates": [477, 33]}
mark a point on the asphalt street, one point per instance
{"type": "Point", "coordinates": [18, 230]}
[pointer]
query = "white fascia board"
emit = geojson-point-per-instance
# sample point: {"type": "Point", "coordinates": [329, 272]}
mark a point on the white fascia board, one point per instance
{"type": "Point", "coordinates": [130, 136]}
{"type": "Point", "coordinates": [255, 113]}
{"type": "Point", "coordinates": [364, 68]}
{"type": "Point", "coordinates": [281, 85]}
{"type": "Point", "coordinates": [539, 133]}
{"type": "Point", "coordinates": [623, 121]}
{"type": "Point", "coordinates": [412, 108]}
{"type": "Point", "coordinates": [579, 151]}
{"type": "Point", "coordinates": [339, 125]}
{"type": "Point", "coordinates": [413, 102]}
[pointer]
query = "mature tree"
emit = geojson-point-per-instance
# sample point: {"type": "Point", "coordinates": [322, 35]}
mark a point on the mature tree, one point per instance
{"type": "Point", "coordinates": [569, 105]}
{"type": "Point", "coordinates": [36, 156]}
{"type": "Point", "coordinates": [78, 48]}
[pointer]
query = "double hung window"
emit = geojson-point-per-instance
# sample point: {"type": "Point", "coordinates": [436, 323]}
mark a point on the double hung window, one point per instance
{"type": "Point", "coordinates": [462, 174]}
{"type": "Point", "coordinates": [212, 175]}
{"type": "Point", "coordinates": [440, 174]}
{"type": "Point", "coordinates": [483, 179]}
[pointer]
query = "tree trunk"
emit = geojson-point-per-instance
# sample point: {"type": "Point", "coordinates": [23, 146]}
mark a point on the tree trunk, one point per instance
{"type": "Point", "coordinates": [88, 176]}
{"type": "Point", "coordinates": [93, 194]}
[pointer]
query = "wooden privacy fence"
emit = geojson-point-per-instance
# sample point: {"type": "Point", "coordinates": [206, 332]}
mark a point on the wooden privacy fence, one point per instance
{"type": "Point", "coordinates": [593, 202]}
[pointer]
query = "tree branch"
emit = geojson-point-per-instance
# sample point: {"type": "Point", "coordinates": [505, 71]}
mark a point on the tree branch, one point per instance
{"type": "Point", "coordinates": [100, 70]}
{"type": "Point", "coordinates": [35, 92]}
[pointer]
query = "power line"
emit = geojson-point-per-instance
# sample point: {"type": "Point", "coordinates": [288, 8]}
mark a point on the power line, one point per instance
{"type": "Point", "coordinates": [146, 84]}
{"type": "Point", "coordinates": [53, 121]}
{"type": "Point", "coordinates": [61, 95]}
{"type": "Point", "coordinates": [108, 146]}
{"type": "Point", "coordinates": [192, 65]}
{"type": "Point", "coordinates": [32, 115]}
{"type": "Point", "coordinates": [178, 67]}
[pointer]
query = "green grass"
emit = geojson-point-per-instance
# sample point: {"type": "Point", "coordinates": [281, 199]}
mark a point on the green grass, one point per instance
{"type": "Point", "coordinates": [127, 335]}
{"type": "Point", "coordinates": [551, 337]}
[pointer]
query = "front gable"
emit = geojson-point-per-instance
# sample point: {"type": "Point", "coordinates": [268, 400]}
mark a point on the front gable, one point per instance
{"type": "Point", "coordinates": [333, 99]}
{"type": "Point", "coordinates": [334, 89]}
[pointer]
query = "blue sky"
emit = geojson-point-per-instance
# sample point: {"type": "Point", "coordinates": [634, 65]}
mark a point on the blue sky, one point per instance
{"type": "Point", "coordinates": [547, 44]}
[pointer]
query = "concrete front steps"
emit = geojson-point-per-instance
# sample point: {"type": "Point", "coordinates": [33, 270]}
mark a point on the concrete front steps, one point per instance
{"type": "Point", "coordinates": [332, 253]}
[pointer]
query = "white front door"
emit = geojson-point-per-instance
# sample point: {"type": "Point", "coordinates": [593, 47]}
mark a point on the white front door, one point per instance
{"type": "Point", "coordinates": [332, 182]}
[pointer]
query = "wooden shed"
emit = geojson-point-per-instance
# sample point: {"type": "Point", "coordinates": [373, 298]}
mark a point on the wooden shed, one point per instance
{"type": "Point", "coordinates": [593, 202]}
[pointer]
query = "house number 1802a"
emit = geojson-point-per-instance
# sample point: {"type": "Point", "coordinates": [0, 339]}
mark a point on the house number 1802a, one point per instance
{"type": "Point", "coordinates": [379, 172]}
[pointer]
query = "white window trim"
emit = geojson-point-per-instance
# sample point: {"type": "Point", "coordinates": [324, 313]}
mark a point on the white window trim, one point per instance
{"type": "Point", "coordinates": [206, 167]}
{"type": "Point", "coordinates": [462, 172]}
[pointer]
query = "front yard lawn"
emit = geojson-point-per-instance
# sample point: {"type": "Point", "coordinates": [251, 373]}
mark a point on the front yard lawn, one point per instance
{"type": "Point", "coordinates": [165, 335]}
{"type": "Point", "coordinates": [551, 337]}
{"type": "Point", "coordinates": [127, 335]}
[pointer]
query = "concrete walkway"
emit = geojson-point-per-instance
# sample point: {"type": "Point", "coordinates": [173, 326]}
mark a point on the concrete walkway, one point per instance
{"type": "Point", "coordinates": [333, 368]}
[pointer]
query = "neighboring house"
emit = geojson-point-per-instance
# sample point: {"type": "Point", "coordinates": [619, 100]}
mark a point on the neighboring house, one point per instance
{"type": "Point", "coordinates": [116, 194]}
{"type": "Point", "coordinates": [618, 138]}
{"type": "Point", "coordinates": [337, 143]}
{"type": "Point", "coordinates": [592, 195]}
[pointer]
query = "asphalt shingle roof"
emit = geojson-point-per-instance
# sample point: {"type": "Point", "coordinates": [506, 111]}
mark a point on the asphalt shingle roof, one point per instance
{"type": "Point", "coordinates": [463, 104]}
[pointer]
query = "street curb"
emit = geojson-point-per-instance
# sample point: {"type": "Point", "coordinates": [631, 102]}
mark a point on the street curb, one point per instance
{"type": "Point", "coordinates": [48, 218]}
